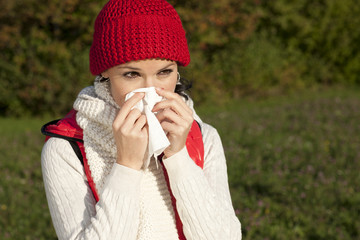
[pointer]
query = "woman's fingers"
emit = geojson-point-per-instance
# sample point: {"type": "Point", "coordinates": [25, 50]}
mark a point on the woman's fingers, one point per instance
{"type": "Point", "coordinates": [168, 127]}
{"type": "Point", "coordinates": [126, 108]}
{"type": "Point", "coordinates": [174, 105]}
{"type": "Point", "coordinates": [174, 101]}
{"type": "Point", "coordinates": [140, 123]}
{"type": "Point", "coordinates": [130, 133]}
{"type": "Point", "coordinates": [175, 118]}
{"type": "Point", "coordinates": [130, 120]}
{"type": "Point", "coordinates": [169, 116]}
{"type": "Point", "coordinates": [173, 109]}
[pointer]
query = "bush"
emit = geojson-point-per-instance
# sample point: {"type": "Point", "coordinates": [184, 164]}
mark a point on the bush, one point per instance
{"type": "Point", "coordinates": [238, 48]}
{"type": "Point", "coordinates": [44, 54]}
{"type": "Point", "coordinates": [326, 32]}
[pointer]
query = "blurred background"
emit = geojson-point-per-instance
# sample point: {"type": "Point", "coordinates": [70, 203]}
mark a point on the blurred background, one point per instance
{"type": "Point", "coordinates": [280, 80]}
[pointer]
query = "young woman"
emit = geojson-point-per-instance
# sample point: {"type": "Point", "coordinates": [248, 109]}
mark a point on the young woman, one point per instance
{"type": "Point", "coordinates": [96, 182]}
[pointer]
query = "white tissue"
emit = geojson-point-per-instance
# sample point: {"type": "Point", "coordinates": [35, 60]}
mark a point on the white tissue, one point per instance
{"type": "Point", "coordinates": [157, 137]}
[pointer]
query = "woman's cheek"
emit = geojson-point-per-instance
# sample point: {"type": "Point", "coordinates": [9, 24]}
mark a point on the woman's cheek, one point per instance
{"type": "Point", "coordinates": [117, 94]}
{"type": "Point", "coordinates": [169, 86]}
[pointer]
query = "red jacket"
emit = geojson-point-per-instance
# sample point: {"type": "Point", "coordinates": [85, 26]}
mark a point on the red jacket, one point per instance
{"type": "Point", "coordinates": [67, 128]}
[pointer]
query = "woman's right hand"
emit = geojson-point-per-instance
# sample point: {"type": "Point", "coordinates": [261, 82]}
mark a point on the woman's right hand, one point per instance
{"type": "Point", "coordinates": [131, 134]}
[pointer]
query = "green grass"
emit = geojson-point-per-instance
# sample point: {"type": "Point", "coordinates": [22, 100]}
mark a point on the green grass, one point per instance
{"type": "Point", "coordinates": [23, 208]}
{"type": "Point", "coordinates": [293, 165]}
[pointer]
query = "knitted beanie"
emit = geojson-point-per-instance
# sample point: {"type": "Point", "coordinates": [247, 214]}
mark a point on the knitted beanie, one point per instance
{"type": "Point", "coordinates": [127, 30]}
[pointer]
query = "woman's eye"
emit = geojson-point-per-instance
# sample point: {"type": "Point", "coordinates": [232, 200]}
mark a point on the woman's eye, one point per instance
{"type": "Point", "coordinates": [131, 74]}
{"type": "Point", "coordinates": [165, 72]}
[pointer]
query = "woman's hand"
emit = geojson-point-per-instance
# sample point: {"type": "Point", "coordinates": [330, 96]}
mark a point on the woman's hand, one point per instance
{"type": "Point", "coordinates": [175, 118]}
{"type": "Point", "coordinates": [131, 134]}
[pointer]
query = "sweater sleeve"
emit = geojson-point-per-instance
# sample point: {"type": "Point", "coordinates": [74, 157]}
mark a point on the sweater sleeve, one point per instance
{"type": "Point", "coordinates": [74, 211]}
{"type": "Point", "coordinates": [202, 196]}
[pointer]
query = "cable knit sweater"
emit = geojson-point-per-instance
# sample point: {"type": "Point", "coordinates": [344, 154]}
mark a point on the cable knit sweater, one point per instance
{"type": "Point", "coordinates": [136, 204]}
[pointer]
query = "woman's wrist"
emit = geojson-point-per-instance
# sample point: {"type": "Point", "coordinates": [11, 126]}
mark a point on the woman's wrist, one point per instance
{"type": "Point", "coordinates": [129, 163]}
{"type": "Point", "coordinates": [173, 154]}
{"type": "Point", "coordinates": [172, 150]}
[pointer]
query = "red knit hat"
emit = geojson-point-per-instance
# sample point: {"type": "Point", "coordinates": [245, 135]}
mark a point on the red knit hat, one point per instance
{"type": "Point", "coordinates": [127, 30]}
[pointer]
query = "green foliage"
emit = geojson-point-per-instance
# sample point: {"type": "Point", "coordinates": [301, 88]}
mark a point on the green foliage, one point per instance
{"type": "Point", "coordinates": [326, 32]}
{"type": "Point", "coordinates": [238, 48]}
{"type": "Point", "coordinates": [261, 48]}
{"type": "Point", "coordinates": [44, 58]}
{"type": "Point", "coordinates": [218, 32]}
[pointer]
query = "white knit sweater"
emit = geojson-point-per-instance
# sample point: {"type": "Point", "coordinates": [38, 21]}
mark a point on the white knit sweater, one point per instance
{"type": "Point", "coordinates": [136, 204]}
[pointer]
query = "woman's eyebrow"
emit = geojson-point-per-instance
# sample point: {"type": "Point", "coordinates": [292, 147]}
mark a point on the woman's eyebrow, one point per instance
{"type": "Point", "coordinates": [171, 64]}
{"type": "Point", "coordinates": [132, 68]}
{"type": "Point", "coordinates": [138, 69]}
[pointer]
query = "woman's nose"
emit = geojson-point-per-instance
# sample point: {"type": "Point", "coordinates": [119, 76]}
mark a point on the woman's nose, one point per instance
{"type": "Point", "coordinates": [149, 82]}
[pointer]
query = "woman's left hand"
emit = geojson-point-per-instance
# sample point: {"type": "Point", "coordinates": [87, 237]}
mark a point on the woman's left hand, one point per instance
{"type": "Point", "coordinates": [175, 118]}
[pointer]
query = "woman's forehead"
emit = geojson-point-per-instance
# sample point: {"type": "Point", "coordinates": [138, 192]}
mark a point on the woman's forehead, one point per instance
{"type": "Point", "coordinates": [147, 64]}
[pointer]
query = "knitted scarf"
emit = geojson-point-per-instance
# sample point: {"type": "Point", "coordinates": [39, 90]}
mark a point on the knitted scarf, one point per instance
{"type": "Point", "coordinates": [96, 113]}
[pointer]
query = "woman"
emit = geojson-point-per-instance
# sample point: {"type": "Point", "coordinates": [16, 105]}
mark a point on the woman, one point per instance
{"type": "Point", "coordinates": [113, 194]}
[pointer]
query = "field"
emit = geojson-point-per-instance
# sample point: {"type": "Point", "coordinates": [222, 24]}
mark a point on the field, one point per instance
{"type": "Point", "coordinates": [293, 165]}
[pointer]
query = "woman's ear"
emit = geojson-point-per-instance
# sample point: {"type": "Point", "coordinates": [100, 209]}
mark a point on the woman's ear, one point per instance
{"type": "Point", "coordinates": [105, 74]}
